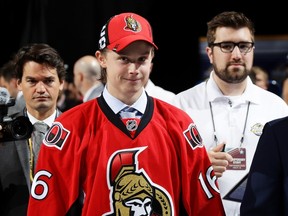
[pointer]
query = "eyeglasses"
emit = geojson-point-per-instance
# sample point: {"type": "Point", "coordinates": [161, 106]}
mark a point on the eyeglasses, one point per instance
{"type": "Point", "coordinates": [228, 47]}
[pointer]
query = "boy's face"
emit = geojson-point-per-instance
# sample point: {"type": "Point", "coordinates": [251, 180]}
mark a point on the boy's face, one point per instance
{"type": "Point", "coordinates": [128, 71]}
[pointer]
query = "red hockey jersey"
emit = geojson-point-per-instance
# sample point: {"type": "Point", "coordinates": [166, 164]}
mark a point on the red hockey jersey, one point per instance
{"type": "Point", "coordinates": [163, 170]}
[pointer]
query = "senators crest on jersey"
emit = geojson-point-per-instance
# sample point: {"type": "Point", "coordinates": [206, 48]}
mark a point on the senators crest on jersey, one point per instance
{"type": "Point", "coordinates": [56, 136]}
{"type": "Point", "coordinates": [132, 191]}
{"type": "Point", "coordinates": [193, 137]}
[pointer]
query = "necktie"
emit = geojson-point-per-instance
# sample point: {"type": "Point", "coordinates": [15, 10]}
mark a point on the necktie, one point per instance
{"type": "Point", "coordinates": [131, 119]}
{"type": "Point", "coordinates": [38, 134]}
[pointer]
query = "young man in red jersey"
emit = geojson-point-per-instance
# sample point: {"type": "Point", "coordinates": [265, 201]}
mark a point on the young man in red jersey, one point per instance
{"type": "Point", "coordinates": [152, 162]}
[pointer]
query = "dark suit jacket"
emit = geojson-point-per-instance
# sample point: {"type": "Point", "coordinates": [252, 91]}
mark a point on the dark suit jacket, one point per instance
{"type": "Point", "coordinates": [14, 176]}
{"type": "Point", "coordinates": [267, 187]}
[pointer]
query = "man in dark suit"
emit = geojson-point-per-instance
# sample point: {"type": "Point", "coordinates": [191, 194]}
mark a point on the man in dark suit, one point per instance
{"type": "Point", "coordinates": [87, 72]}
{"type": "Point", "coordinates": [267, 186]}
{"type": "Point", "coordinates": [40, 76]}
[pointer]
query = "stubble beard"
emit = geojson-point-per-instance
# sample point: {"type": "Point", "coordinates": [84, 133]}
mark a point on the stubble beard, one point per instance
{"type": "Point", "coordinates": [233, 76]}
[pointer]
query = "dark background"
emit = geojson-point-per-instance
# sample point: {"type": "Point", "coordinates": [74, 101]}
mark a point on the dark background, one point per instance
{"type": "Point", "coordinates": [73, 28]}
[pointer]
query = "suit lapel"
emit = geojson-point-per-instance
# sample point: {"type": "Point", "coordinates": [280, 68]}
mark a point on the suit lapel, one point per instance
{"type": "Point", "coordinates": [24, 155]}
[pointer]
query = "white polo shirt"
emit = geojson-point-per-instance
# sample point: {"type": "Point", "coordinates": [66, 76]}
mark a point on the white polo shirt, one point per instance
{"type": "Point", "coordinates": [229, 117]}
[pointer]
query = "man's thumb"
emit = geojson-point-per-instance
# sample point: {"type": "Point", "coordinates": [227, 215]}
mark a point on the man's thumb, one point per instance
{"type": "Point", "coordinates": [219, 147]}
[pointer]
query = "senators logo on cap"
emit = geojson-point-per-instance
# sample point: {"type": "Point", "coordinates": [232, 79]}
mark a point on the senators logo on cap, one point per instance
{"type": "Point", "coordinates": [123, 29]}
{"type": "Point", "coordinates": [132, 24]}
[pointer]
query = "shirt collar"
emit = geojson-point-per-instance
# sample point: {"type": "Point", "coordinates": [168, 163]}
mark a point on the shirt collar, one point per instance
{"type": "Point", "coordinates": [47, 121]}
{"type": "Point", "coordinates": [250, 93]}
{"type": "Point", "coordinates": [117, 105]}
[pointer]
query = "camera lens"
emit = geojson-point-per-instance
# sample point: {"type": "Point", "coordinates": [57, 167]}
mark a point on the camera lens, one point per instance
{"type": "Point", "coordinates": [21, 128]}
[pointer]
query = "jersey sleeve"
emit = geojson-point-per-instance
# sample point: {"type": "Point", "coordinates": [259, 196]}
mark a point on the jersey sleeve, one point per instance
{"type": "Point", "coordinates": [198, 177]}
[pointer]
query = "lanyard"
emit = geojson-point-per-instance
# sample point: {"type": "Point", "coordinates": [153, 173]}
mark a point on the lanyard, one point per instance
{"type": "Point", "coordinates": [214, 128]}
{"type": "Point", "coordinates": [31, 160]}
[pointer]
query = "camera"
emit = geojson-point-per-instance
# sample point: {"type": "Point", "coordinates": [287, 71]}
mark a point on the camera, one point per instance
{"type": "Point", "coordinates": [13, 128]}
